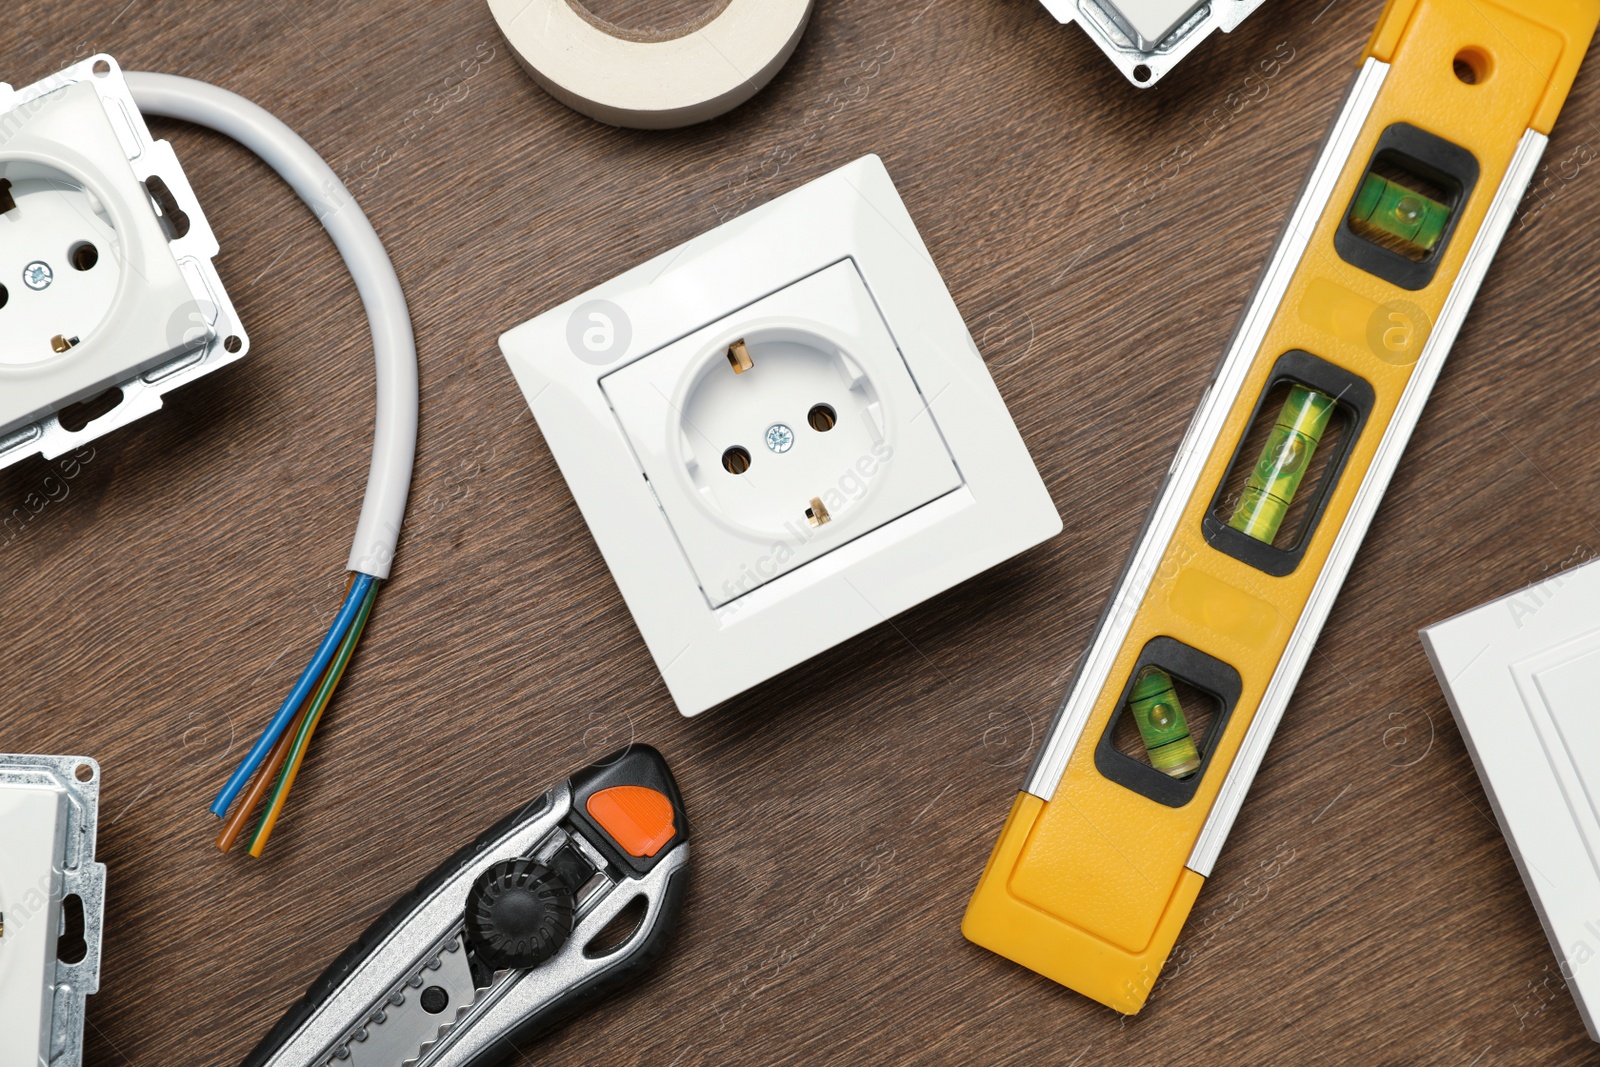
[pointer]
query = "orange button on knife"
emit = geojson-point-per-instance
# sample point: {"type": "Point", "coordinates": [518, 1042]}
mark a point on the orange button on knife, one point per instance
{"type": "Point", "coordinates": [637, 818]}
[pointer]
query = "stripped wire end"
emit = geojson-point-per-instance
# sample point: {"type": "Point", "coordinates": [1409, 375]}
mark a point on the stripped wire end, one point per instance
{"type": "Point", "coordinates": [281, 749]}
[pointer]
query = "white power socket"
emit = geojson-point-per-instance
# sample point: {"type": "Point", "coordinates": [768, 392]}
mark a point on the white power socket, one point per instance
{"type": "Point", "coordinates": [826, 413]}
{"type": "Point", "coordinates": [781, 434]}
{"type": "Point", "coordinates": [107, 289]}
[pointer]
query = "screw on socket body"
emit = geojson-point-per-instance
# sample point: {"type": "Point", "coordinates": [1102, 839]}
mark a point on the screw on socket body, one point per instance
{"type": "Point", "coordinates": [780, 438]}
{"type": "Point", "coordinates": [38, 275]}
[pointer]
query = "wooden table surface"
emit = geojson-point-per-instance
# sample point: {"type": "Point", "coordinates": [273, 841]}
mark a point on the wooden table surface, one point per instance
{"type": "Point", "coordinates": [1101, 243]}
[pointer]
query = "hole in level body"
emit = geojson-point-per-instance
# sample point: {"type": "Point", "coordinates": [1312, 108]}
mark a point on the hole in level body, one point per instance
{"type": "Point", "coordinates": [1473, 66]}
{"type": "Point", "coordinates": [1407, 206]}
{"type": "Point", "coordinates": [1400, 209]}
{"type": "Point", "coordinates": [1269, 504]}
{"type": "Point", "coordinates": [1171, 714]}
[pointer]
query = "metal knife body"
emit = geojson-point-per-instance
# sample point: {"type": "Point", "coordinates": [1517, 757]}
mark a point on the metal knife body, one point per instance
{"type": "Point", "coordinates": [511, 934]}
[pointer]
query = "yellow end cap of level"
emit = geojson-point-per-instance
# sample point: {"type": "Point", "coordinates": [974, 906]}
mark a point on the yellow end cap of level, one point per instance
{"type": "Point", "coordinates": [1574, 21]}
{"type": "Point", "coordinates": [1000, 922]}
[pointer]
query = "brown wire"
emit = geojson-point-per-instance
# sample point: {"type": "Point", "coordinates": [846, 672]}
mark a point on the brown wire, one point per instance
{"type": "Point", "coordinates": [234, 827]}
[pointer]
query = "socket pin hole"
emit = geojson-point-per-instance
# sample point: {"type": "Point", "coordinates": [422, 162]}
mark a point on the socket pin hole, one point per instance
{"type": "Point", "coordinates": [83, 256]}
{"type": "Point", "coordinates": [822, 418]}
{"type": "Point", "coordinates": [232, 344]}
{"type": "Point", "coordinates": [173, 220]}
{"type": "Point", "coordinates": [736, 460]}
{"type": "Point", "coordinates": [101, 68]}
{"type": "Point", "coordinates": [75, 417]}
{"type": "Point", "coordinates": [83, 772]}
{"type": "Point", "coordinates": [5, 294]}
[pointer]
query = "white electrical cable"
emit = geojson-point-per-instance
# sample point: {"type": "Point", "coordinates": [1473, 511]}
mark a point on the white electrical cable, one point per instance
{"type": "Point", "coordinates": [394, 445]}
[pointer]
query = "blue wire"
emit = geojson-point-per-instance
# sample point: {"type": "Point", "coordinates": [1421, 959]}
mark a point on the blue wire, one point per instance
{"type": "Point", "coordinates": [297, 696]}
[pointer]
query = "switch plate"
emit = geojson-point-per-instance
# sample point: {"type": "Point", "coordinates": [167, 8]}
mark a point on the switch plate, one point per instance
{"type": "Point", "coordinates": [833, 289]}
{"type": "Point", "coordinates": [1519, 676]}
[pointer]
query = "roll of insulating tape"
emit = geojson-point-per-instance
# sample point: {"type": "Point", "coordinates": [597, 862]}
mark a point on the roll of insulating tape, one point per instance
{"type": "Point", "coordinates": [653, 84]}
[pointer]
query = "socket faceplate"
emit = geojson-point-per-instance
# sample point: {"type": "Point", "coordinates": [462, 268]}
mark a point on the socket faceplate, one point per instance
{"type": "Point", "coordinates": [913, 536]}
{"type": "Point", "coordinates": [819, 343]}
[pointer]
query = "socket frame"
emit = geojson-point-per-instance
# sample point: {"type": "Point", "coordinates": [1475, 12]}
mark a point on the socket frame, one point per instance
{"type": "Point", "coordinates": [709, 654]}
{"type": "Point", "coordinates": [1147, 38]}
{"type": "Point", "coordinates": [171, 321]}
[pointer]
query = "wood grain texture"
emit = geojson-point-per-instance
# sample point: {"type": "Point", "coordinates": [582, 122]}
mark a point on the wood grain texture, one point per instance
{"type": "Point", "coordinates": [1101, 243]}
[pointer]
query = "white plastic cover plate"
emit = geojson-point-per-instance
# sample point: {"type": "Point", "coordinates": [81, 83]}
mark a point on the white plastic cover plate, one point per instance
{"type": "Point", "coordinates": [833, 289]}
{"type": "Point", "coordinates": [1520, 677]}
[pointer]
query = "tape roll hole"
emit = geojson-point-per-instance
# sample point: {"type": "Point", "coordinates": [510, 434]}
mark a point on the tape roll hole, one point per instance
{"type": "Point", "coordinates": [649, 20]}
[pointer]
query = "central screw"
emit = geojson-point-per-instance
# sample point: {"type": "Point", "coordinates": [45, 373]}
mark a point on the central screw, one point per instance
{"type": "Point", "coordinates": [38, 275]}
{"type": "Point", "coordinates": [779, 437]}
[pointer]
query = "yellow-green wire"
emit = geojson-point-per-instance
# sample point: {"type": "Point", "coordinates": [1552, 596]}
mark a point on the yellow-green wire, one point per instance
{"type": "Point", "coordinates": [319, 703]}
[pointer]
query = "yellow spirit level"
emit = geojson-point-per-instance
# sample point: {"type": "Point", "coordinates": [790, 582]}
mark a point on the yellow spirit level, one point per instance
{"type": "Point", "coordinates": [1273, 488]}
